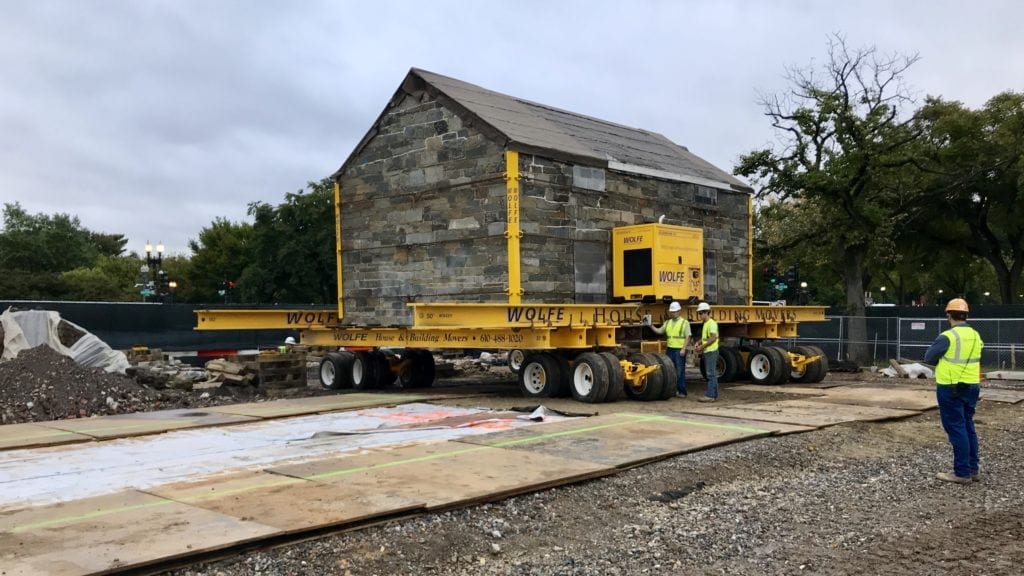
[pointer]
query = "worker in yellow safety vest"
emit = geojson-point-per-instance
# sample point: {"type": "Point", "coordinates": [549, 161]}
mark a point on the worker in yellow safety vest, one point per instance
{"type": "Point", "coordinates": [707, 346]}
{"type": "Point", "coordinates": [957, 386]}
{"type": "Point", "coordinates": [679, 335]}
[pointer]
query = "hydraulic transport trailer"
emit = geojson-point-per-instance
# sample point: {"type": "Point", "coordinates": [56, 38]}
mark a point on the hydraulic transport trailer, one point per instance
{"type": "Point", "coordinates": [595, 352]}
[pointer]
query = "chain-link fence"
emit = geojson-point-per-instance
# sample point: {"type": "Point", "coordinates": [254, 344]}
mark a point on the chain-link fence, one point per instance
{"type": "Point", "coordinates": [909, 338]}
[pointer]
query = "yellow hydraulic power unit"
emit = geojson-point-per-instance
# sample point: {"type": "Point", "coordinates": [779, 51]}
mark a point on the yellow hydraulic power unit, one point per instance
{"type": "Point", "coordinates": [653, 262]}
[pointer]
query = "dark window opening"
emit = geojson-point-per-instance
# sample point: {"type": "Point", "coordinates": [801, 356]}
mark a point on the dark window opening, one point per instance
{"type": "Point", "coordinates": [636, 267]}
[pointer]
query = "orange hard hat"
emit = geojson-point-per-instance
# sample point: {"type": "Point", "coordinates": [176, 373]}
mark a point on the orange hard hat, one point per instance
{"type": "Point", "coordinates": [957, 305]}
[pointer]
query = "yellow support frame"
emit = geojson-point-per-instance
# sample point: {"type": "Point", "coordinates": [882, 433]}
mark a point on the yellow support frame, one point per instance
{"type": "Point", "coordinates": [337, 246]}
{"type": "Point", "coordinates": [512, 230]}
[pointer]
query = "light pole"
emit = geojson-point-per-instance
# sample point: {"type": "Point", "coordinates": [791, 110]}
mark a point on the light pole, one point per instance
{"type": "Point", "coordinates": [883, 294]}
{"type": "Point", "coordinates": [172, 286]}
{"type": "Point", "coordinates": [150, 271]}
{"type": "Point", "coordinates": [803, 293]}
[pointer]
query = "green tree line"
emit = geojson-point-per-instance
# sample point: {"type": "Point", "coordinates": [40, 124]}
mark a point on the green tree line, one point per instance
{"type": "Point", "coordinates": [286, 255]}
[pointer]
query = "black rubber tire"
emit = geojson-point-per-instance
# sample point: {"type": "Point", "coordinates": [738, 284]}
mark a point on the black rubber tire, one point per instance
{"type": "Point", "coordinates": [342, 367]}
{"type": "Point", "coordinates": [421, 370]}
{"type": "Point", "coordinates": [808, 372]}
{"type": "Point", "coordinates": [823, 361]}
{"type": "Point", "coordinates": [564, 377]}
{"type": "Point", "coordinates": [732, 365]}
{"type": "Point", "coordinates": [363, 370]}
{"type": "Point", "coordinates": [589, 378]}
{"type": "Point", "coordinates": [764, 366]}
{"type": "Point", "coordinates": [786, 368]}
{"type": "Point", "coordinates": [653, 385]}
{"type": "Point", "coordinates": [516, 358]}
{"type": "Point", "coordinates": [540, 376]}
{"type": "Point", "coordinates": [616, 377]}
{"type": "Point", "coordinates": [385, 376]}
{"type": "Point", "coordinates": [668, 376]}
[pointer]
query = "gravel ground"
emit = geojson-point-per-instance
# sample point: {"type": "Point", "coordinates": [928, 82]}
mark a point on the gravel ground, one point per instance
{"type": "Point", "coordinates": [849, 499]}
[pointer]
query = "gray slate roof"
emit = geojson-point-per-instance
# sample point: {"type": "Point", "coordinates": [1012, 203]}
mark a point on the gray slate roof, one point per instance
{"type": "Point", "coordinates": [536, 128]}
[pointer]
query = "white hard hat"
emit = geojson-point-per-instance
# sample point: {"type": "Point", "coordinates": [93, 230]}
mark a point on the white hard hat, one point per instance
{"type": "Point", "coordinates": [289, 340]}
{"type": "Point", "coordinates": [703, 307]}
{"type": "Point", "coordinates": [674, 307]}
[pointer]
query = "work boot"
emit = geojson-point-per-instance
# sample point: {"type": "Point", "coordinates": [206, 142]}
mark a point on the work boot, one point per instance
{"type": "Point", "coordinates": [947, 477]}
{"type": "Point", "coordinates": [976, 477]}
{"type": "Point", "coordinates": [705, 399]}
{"type": "Point", "coordinates": [680, 395]}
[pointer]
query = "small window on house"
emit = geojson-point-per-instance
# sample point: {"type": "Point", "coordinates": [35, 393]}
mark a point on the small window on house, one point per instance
{"type": "Point", "coordinates": [706, 195]}
{"type": "Point", "coordinates": [588, 178]}
{"type": "Point", "coordinates": [710, 277]}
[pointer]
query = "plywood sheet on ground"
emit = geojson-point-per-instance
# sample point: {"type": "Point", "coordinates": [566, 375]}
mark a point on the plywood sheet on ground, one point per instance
{"type": "Point", "coordinates": [117, 531]}
{"type": "Point", "coordinates": [287, 503]}
{"type": "Point", "coordinates": [142, 423]}
{"type": "Point", "coordinates": [802, 412]}
{"type": "Point", "coordinates": [899, 398]}
{"type": "Point", "coordinates": [801, 390]}
{"type": "Point", "coordinates": [624, 440]}
{"type": "Point", "coordinates": [14, 436]}
{"type": "Point", "coordinates": [997, 395]}
{"type": "Point", "coordinates": [445, 474]}
{"type": "Point", "coordinates": [313, 405]}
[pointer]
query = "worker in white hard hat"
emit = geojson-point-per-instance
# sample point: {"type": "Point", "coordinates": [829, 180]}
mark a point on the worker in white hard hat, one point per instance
{"type": "Point", "coordinates": [288, 343]}
{"type": "Point", "coordinates": [957, 352]}
{"type": "Point", "coordinates": [708, 347]}
{"type": "Point", "coordinates": [677, 329]}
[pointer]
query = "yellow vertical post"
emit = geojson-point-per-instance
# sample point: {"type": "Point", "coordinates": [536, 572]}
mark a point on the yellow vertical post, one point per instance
{"type": "Point", "coordinates": [750, 250]}
{"type": "Point", "coordinates": [337, 246]}
{"type": "Point", "coordinates": [512, 230]}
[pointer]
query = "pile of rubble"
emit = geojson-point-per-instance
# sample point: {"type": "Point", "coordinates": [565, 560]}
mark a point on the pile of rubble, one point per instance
{"type": "Point", "coordinates": [41, 384]}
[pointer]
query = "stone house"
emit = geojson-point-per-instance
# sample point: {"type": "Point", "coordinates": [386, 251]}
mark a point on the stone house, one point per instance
{"type": "Point", "coordinates": [423, 202]}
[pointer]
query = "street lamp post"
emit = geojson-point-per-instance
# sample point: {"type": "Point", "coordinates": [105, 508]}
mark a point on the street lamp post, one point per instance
{"type": "Point", "coordinates": [172, 286]}
{"type": "Point", "coordinates": [803, 293]}
{"type": "Point", "coordinates": [152, 275]}
{"type": "Point", "coordinates": [882, 289]}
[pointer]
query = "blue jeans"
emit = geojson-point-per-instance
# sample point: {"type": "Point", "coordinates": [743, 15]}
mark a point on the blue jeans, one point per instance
{"type": "Point", "coordinates": [678, 356]}
{"type": "Point", "coordinates": [711, 369]}
{"type": "Point", "coordinates": [956, 408]}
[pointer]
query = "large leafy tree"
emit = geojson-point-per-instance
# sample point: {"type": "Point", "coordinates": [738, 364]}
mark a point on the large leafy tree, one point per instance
{"type": "Point", "coordinates": [219, 255]}
{"type": "Point", "coordinates": [38, 252]}
{"type": "Point", "coordinates": [973, 162]}
{"type": "Point", "coordinates": [843, 134]}
{"type": "Point", "coordinates": [293, 249]}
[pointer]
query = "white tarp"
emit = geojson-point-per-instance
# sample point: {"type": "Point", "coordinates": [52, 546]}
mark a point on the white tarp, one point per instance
{"type": "Point", "coordinates": [27, 329]}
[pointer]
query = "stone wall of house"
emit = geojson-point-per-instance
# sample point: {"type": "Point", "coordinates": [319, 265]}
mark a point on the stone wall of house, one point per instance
{"type": "Point", "coordinates": [423, 219]}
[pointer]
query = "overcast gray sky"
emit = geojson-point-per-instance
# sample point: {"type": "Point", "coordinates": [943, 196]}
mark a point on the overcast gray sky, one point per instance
{"type": "Point", "coordinates": [150, 118]}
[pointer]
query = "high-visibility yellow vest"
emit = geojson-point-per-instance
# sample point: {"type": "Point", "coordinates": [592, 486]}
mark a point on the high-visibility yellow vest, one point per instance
{"type": "Point", "coordinates": [710, 327]}
{"type": "Point", "coordinates": [962, 361]}
{"type": "Point", "coordinates": [677, 330]}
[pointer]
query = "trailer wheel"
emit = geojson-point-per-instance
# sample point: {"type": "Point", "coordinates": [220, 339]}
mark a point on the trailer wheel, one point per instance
{"type": "Point", "coordinates": [385, 377]}
{"type": "Point", "coordinates": [808, 372]}
{"type": "Point", "coordinates": [652, 385]}
{"type": "Point", "coordinates": [589, 378]}
{"type": "Point", "coordinates": [730, 363]}
{"type": "Point", "coordinates": [364, 368]}
{"type": "Point", "coordinates": [669, 375]}
{"type": "Point", "coordinates": [823, 371]}
{"type": "Point", "coordinates": [616, 377]}
{"type": "Point", "coordinates": [334, 370]}
{"type": "Point", "coordinates": [420, 371]}
{"type": "Point", "coordinates": [765, 365]}
{"type": "Point", "coordinates": [515, 360]}
{"type": "Point", "coordinates": [563, 385]}
{"type": "Point", "coordinates": [787, 366]}
{"type": "Point", "coordinates": [540, 376]}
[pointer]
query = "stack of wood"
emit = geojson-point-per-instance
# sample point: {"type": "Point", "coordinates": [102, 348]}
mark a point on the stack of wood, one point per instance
{"type": "Point", "coordinates": [268, 369]}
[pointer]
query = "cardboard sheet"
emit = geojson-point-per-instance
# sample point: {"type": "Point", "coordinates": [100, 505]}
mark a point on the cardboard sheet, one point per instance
{"type": "Point", "coordinates": [116, 531]}
{"type": "Point", "coordinates": [802, 412]}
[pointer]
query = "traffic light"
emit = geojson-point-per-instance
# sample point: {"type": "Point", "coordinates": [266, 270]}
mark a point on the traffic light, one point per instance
{"type": "Point", "coordinates": [793, 275]}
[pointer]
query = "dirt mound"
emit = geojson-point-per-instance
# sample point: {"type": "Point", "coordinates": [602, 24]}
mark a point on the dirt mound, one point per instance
{"type": "Point", "coordinates": [42, 384]}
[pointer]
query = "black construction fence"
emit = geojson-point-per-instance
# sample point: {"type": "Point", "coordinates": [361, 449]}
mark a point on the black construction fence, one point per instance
{"type": "Point", "coordinates": [169, 327]}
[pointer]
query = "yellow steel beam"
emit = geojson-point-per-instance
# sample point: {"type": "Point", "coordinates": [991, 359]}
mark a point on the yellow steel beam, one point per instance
{"type": "Point", "coordinates": [512, 230]}
{"type": "Point", "coordinates": [601, 319]}
{"type": "Point", "coordinates": [266, 319]}
{"type": "Point", "coordinates": [337, 246]}
{"type": "Point", "coordinates": [523, 315]}
{"type": "Point", "coordinates": [750, 249]}
{"type": "Point", "coordinates": [492, 338]}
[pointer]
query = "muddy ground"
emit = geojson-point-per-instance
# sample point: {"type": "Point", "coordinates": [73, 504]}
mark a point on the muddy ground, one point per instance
{"type": "Point", "coordinates": [849, 499]}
